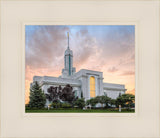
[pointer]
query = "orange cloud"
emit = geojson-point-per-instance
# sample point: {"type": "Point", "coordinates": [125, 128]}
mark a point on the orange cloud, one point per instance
{"type": "Point", "coordinates": [131, 92]}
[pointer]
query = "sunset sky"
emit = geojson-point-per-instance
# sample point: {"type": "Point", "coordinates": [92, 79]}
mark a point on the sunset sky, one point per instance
{"type": "Point", "coordinates": [108, 48]}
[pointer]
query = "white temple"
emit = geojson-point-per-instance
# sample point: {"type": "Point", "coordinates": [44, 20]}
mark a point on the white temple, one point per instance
{"type": "Point", "coordinates": [85, 82]}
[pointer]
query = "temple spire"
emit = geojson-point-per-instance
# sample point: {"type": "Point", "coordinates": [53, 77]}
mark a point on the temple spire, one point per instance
{"type": "Point", "coordinates": [68, 69]}
{"type": "Point", "coordinates": [68, 39]}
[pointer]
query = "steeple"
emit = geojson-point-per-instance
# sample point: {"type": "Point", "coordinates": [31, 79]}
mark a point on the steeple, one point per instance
{"type": "Point", "coordinates": [68, 39]}
{"type": "Point", "coordinates": [68, 51]}
{"type": "Point", "coordinates": [68, 70]}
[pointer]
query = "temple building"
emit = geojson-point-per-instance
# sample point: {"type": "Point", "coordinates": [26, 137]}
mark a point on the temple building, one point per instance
{"type": "Point", "coordinates": [85, 82]}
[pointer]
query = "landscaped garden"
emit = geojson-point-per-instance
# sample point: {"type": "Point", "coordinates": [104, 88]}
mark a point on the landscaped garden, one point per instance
{"type": "Point", "coordinates": [79, 111]}
{"type": "Point", "coordinates": [64, 100]}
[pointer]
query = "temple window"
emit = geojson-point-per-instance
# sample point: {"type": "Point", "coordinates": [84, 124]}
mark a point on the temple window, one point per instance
{"type": "Point", "coordinates": [92, 87]}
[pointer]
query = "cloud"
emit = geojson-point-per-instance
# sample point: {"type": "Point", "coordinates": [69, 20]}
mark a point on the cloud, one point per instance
{"type": "Point", "coordinates": [45, 45]}
{"type": "Point", "coordinates": [83, 47]}
{"type": "Point", "coordinates": [127, 73]}
{"type": "Point", "coordinates": [112, 69]}
{"type": "Point", "coordinates": [131, 91]}
{"type": "Point", "coordinates": [117, 42]}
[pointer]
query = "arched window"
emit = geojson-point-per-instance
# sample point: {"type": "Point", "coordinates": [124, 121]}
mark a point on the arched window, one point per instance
{"type": "Point", "coordinates": [92, 87]}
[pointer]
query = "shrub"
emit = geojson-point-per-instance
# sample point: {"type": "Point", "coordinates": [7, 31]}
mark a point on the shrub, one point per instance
{"type": "Point", "coordinates": [66, 105]}
{"type": "Point", "coordinates": [80, 103]}
{"type": "Point", "coordinates": [56, 105]}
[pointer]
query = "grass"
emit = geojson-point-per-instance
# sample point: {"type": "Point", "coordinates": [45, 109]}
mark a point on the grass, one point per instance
{"type": "Point", "coordinates": [79, 111]}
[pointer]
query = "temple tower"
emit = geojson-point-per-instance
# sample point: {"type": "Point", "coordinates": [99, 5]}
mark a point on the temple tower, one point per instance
{"type": "Point", "coordinates": [68, 70]}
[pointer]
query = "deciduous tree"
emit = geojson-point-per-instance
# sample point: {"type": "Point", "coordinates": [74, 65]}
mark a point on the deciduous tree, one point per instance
{"type": "Point", "coordinates": [125, 100]}
{"type": "Point", "coordinates": [80, 103]}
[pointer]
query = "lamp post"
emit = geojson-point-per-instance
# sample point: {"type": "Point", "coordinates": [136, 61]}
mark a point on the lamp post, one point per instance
{"type": "Point", "coordinates": [48, 107]}
{"type": "Point", "coordinates": [119, 108]}
{"type": "Point", "coordinates": [129, 102]}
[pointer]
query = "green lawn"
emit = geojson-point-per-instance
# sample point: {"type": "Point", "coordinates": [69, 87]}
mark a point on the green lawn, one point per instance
{"type": "Point", "coordinates": [78, 111]}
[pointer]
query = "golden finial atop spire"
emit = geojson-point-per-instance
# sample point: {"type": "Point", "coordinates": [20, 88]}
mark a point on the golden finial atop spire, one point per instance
{"type": "Point", "coordinates": [68, 39]}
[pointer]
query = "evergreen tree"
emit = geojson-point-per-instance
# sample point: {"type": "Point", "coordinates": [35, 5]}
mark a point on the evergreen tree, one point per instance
{"type": "Point", "coordinates": [37, 96]}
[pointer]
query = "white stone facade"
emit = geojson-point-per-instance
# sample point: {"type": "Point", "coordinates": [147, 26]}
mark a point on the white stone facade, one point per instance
{"type": "Point", "coordinates": [80, 81]}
